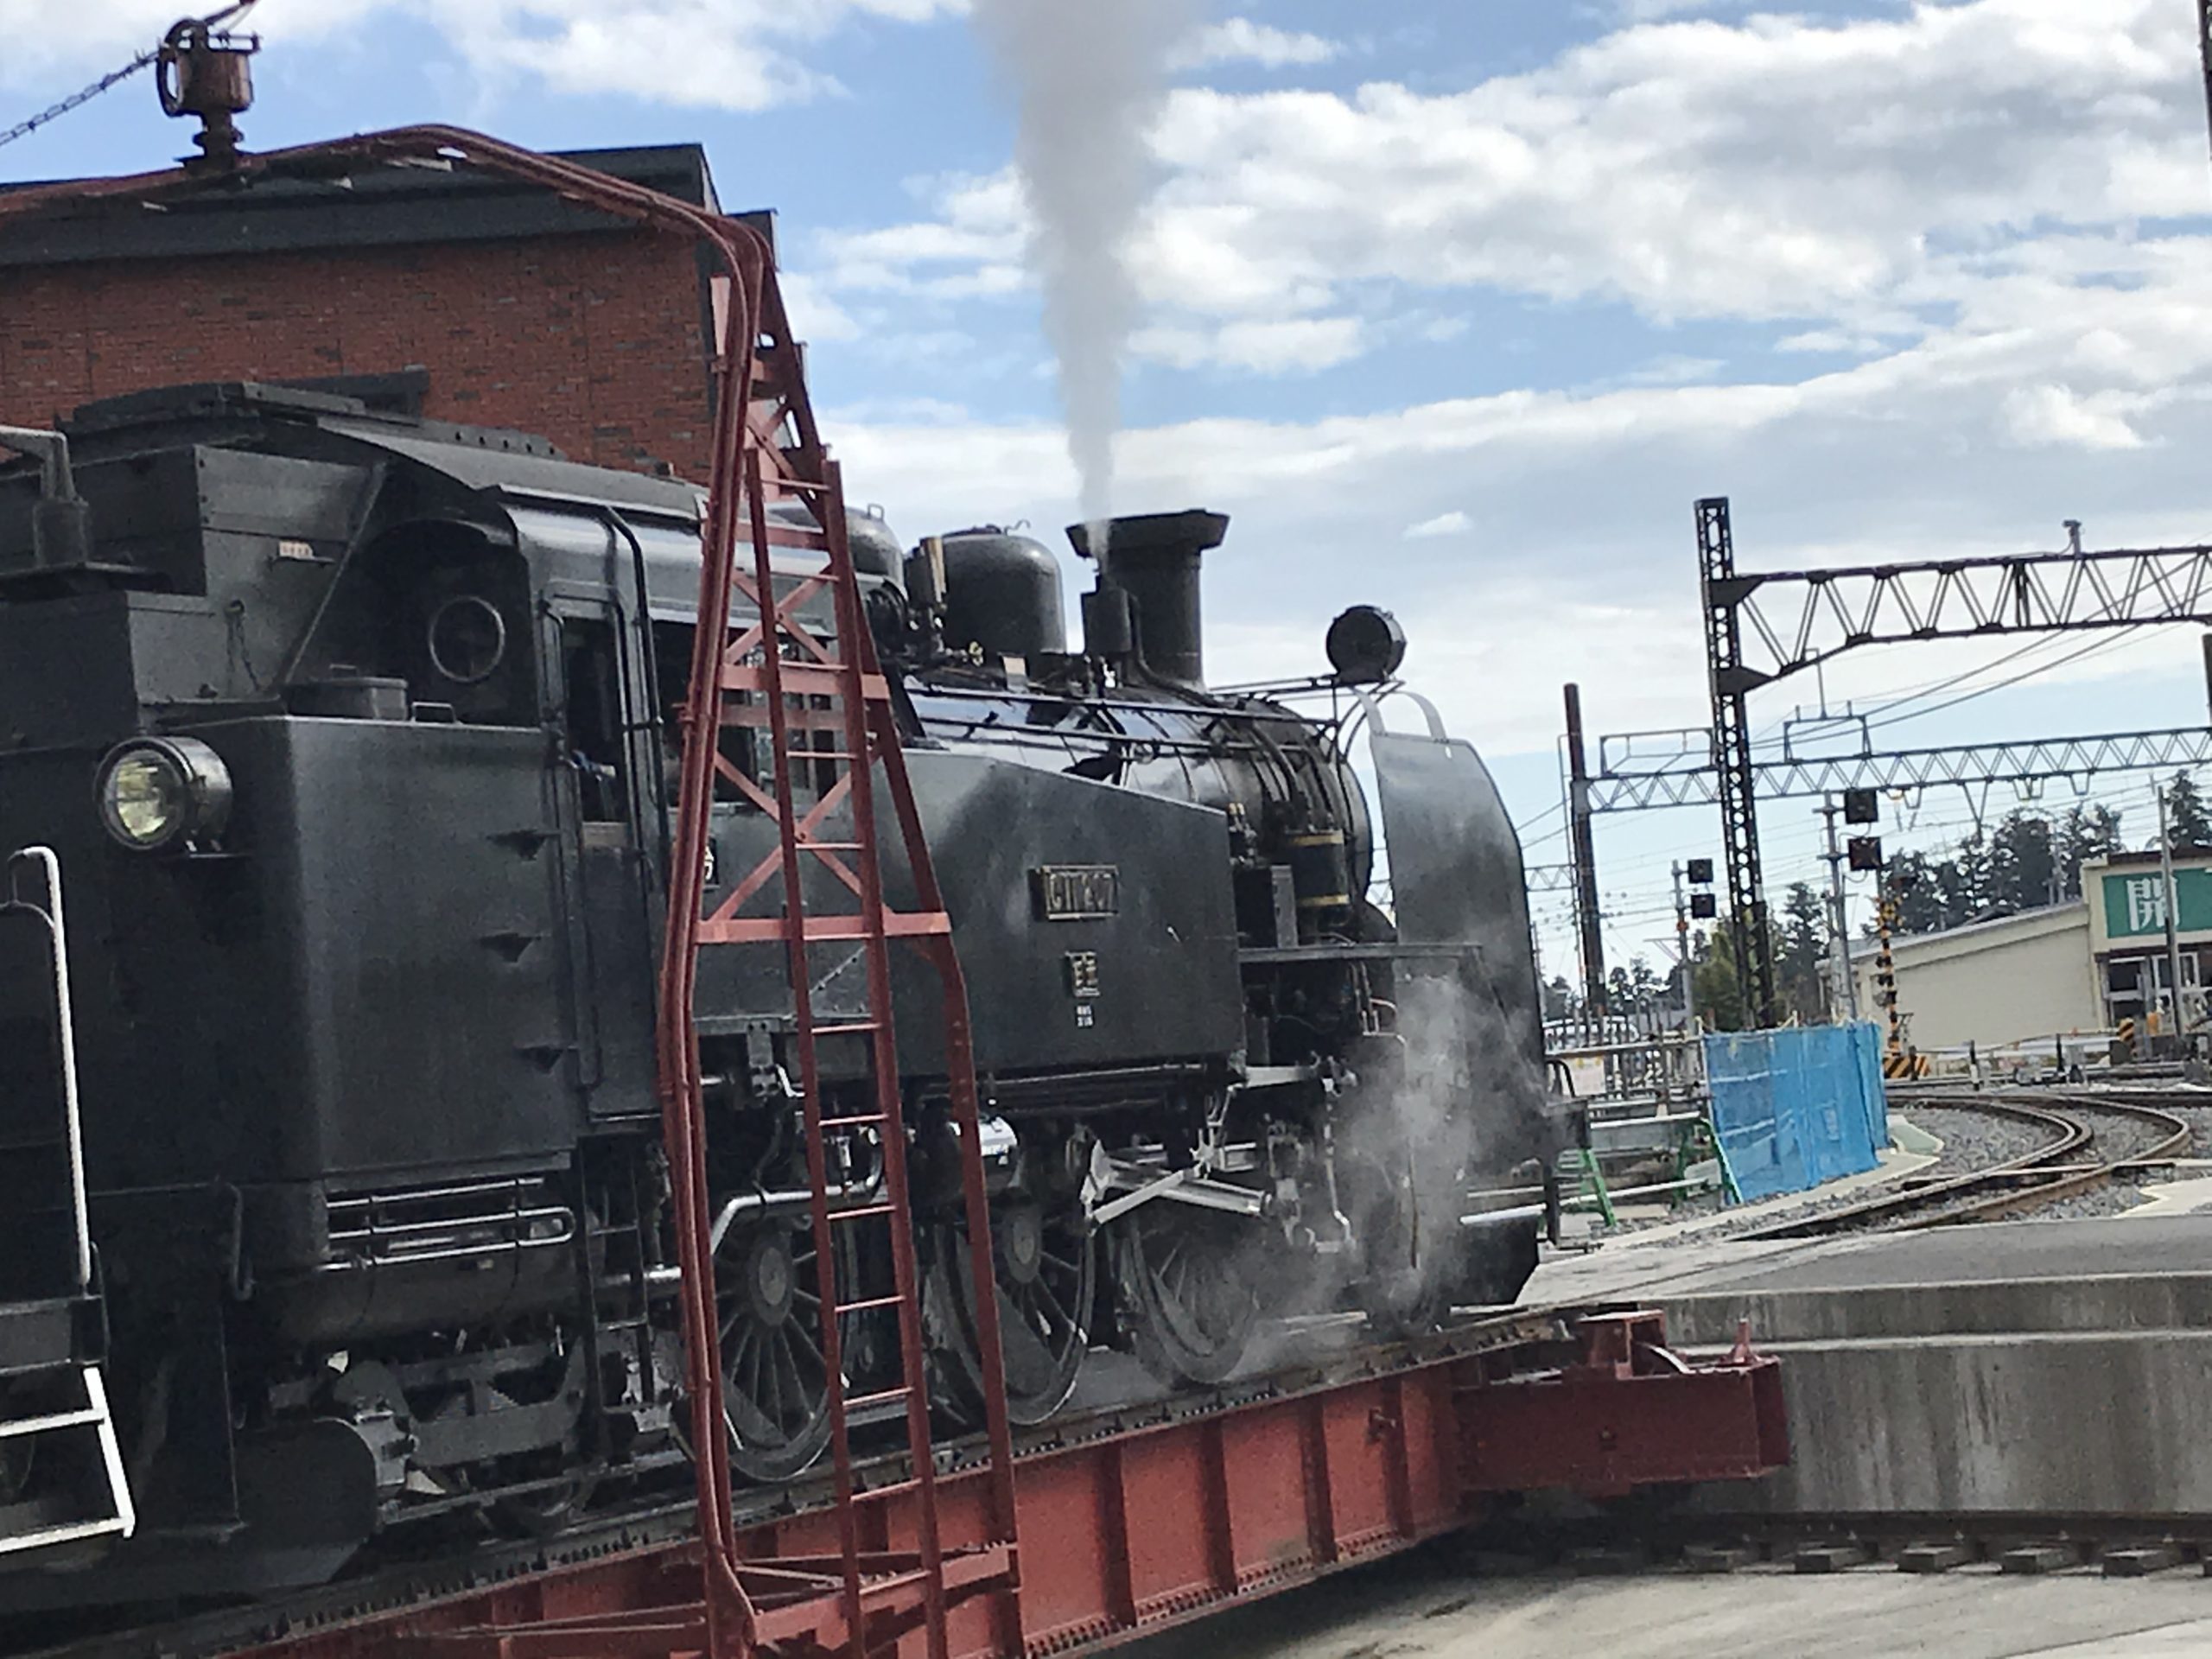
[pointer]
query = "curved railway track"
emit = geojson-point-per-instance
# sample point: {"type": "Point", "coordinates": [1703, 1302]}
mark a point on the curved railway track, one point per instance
{"type": "Point", "coordinates": [2092, 1137]}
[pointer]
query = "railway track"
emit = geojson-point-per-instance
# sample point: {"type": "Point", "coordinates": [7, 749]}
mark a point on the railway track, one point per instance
{"type": "Point", "coordinates": [1321, 1356]}
{"type": "Point", "coordinates": [2091, 1138]}
{"type": "Point", "coordinates": [2118, 1545]}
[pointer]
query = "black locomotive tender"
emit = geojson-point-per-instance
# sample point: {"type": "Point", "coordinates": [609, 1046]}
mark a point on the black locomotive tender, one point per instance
{"type": "Point", "coordinates": [351, 740]}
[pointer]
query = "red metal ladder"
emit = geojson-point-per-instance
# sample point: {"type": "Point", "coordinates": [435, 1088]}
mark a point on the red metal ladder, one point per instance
{"type": "Point", "coordinates": [775, 666]}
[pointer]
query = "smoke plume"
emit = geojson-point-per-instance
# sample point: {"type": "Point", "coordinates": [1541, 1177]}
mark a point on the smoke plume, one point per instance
{"type": "Point", "coordinates": [1088, 76]}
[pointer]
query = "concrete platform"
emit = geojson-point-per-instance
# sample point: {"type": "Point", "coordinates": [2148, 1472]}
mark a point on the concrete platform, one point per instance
{"type": "Point", "coordinates": [2041, 1367]}
{"type": "Point", "coordinates": [1436, 1606]}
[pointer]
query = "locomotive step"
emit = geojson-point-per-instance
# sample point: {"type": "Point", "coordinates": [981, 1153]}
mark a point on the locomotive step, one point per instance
{"type": "Point", "coordinates": [87, 1495]}
{"type": "Point", "coordinates": [86, 1417]}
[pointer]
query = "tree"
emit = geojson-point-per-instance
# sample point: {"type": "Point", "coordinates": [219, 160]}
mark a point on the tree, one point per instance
{"type": "Point", "coordinates": [2083, 835]}
{"type": "Point", "coordinates": [1719, 998]}
{"type": "Point", "coordinates": [2188, 828]}
{"type": "Point", "coordinates": [1558, 997]}
{"type": "Point", "coordinates": [1642, 980]}
{"type": "Point", "coordinates": [1917, 888]}
{"type": "Point", "coordinates": [2023, 874]}
{"type": "Point", "coordinates": [1964, 881]}
{"type": "Point", "coordinates": [1802, 950]}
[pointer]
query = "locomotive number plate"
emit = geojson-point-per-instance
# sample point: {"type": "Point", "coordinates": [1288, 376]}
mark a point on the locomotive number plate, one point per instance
{"type": "Point", "coordinates": [1076, 892]}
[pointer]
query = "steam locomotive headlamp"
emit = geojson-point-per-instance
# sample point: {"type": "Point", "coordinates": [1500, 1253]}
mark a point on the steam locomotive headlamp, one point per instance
{"type": "Point", "coordinates": [1365, 645]}
{"type": "Point", "coordinates": [158, 794]}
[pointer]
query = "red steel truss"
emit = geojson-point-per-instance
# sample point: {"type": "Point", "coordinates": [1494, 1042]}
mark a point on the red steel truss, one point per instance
{"type": "Point", "coordinates": [1169, 1519]}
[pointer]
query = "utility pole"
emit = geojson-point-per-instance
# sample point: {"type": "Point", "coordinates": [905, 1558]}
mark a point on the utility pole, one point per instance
{"type": "Point", "coordinates": [1843, 1004]}
{"type": "Point", "coordinates": [1582, 849]}
{"type": "Point", "coordinates": [1682, 949]}
{"type": "Point", "coordinates": [2172, 909]}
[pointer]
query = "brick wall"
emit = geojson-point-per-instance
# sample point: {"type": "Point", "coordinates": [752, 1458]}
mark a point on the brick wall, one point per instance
{"type": "Point", "coordinates": [596, 341]}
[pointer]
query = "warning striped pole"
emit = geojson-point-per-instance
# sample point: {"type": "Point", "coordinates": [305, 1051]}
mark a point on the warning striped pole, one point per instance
{"type": "Point", "coordinates": [1886, 982]}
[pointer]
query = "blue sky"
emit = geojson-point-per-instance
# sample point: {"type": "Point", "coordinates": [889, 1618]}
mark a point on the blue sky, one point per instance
{"type": "Point", "coordinates": [1455, 306]}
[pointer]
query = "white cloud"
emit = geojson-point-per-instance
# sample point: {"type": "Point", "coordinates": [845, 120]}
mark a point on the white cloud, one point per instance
{"type": "Point", "coordinates": [1239, 40]}
{"type": "Point", "coordinates": [1651, 12]}
{"type": "Point", "coordinates": [1453, 523]}
{"type": "Point", "coordinates": [2058, 415]}
{"type": "Point", "coordinates": [1829, 339]}
{"type": "Point", "coordinates": [1675, 369]}
{"type": "Point", "coordinates": [1293, 344]}
{"type": "Point", "coordinates": [1776, 168]}
{"type": "Point", "coordinates": [972, 247]}
{"type": "Point", "coordinates": [815, 317]}
{"type": "Point", "coordinates": [1852, 178]}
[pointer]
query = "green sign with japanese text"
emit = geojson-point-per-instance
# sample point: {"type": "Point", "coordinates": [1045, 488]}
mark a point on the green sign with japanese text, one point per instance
{"type": "Point", "coordinates": [2135, 904]}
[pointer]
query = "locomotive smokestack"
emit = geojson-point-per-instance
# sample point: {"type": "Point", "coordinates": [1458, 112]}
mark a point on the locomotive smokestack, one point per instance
{"type": "Point", "coordinates": [1154, 559]}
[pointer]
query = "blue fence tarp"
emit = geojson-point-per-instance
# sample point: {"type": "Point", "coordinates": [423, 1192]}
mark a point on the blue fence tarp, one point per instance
{"type": "Point", "coordinates": [1797, 1107]}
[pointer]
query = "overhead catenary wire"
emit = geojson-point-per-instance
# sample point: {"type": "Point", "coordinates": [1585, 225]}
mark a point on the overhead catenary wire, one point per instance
{"type": "Point", "coordinates": [82, 95]}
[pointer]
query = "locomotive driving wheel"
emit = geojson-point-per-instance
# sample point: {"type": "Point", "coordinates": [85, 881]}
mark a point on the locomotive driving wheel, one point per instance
{"type": "Point", "coordinates": [775, 1384]}
{"type": "Point", "coordinates": [1043, 1258]}
{"type": "Point", "coordinates": [1187, 1297]}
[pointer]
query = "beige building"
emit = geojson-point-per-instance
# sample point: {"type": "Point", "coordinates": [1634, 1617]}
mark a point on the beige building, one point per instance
{"type": "Point", "coordinates": [2080, 966]}
{"type": "Point", "coordinates": [2010, 980]}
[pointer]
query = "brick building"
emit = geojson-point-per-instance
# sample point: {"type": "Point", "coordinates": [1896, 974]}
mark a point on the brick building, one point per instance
{"type": "Point", "coordinates": [453, 296]}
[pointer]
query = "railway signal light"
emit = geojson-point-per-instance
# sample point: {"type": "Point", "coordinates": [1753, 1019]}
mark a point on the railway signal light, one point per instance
{"type": "Point", "coordinates": [1865, 852]}
{"type": "Point", "coordinates": [1704, 906]}
{"type": "Point", "coordinates": [1861, 806]}
{"type": "Point", "coordinates": [1699, 871]}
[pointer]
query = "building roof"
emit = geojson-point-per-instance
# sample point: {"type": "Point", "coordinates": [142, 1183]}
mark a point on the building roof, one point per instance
{"type": "Point", "coordinates": [1988, 930]}
{"type": "Point", "coordinates": [375, 206]}
{"type": "Point", "coordinates": [2148, 859]}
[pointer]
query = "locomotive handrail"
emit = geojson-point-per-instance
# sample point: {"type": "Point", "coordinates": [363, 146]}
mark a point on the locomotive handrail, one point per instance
{"type": "Point", "coordinates": [50, 914]}
{"type": "Point", "coordinates": [1370, 708]}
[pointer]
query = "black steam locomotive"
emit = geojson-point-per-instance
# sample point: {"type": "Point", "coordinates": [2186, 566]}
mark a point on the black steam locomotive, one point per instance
{"type": "Point", "coordinates": [328, 1143]}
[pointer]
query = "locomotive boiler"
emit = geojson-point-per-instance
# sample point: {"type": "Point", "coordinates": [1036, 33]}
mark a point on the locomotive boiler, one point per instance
{"type": "Point", "coordinates": [332, 1145]}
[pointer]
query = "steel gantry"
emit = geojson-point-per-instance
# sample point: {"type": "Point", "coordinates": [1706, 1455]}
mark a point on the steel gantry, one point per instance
{"type": "Point", "coordinates": [1721, 594]}
{"type": "Point", "coordinates": [1763, 626]}
{"type": "Point", "coordinates": [1687, 778]}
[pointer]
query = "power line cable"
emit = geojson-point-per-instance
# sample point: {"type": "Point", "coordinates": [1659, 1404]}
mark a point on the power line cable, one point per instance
{"type": "Point", "coordinates": [84, 95]}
